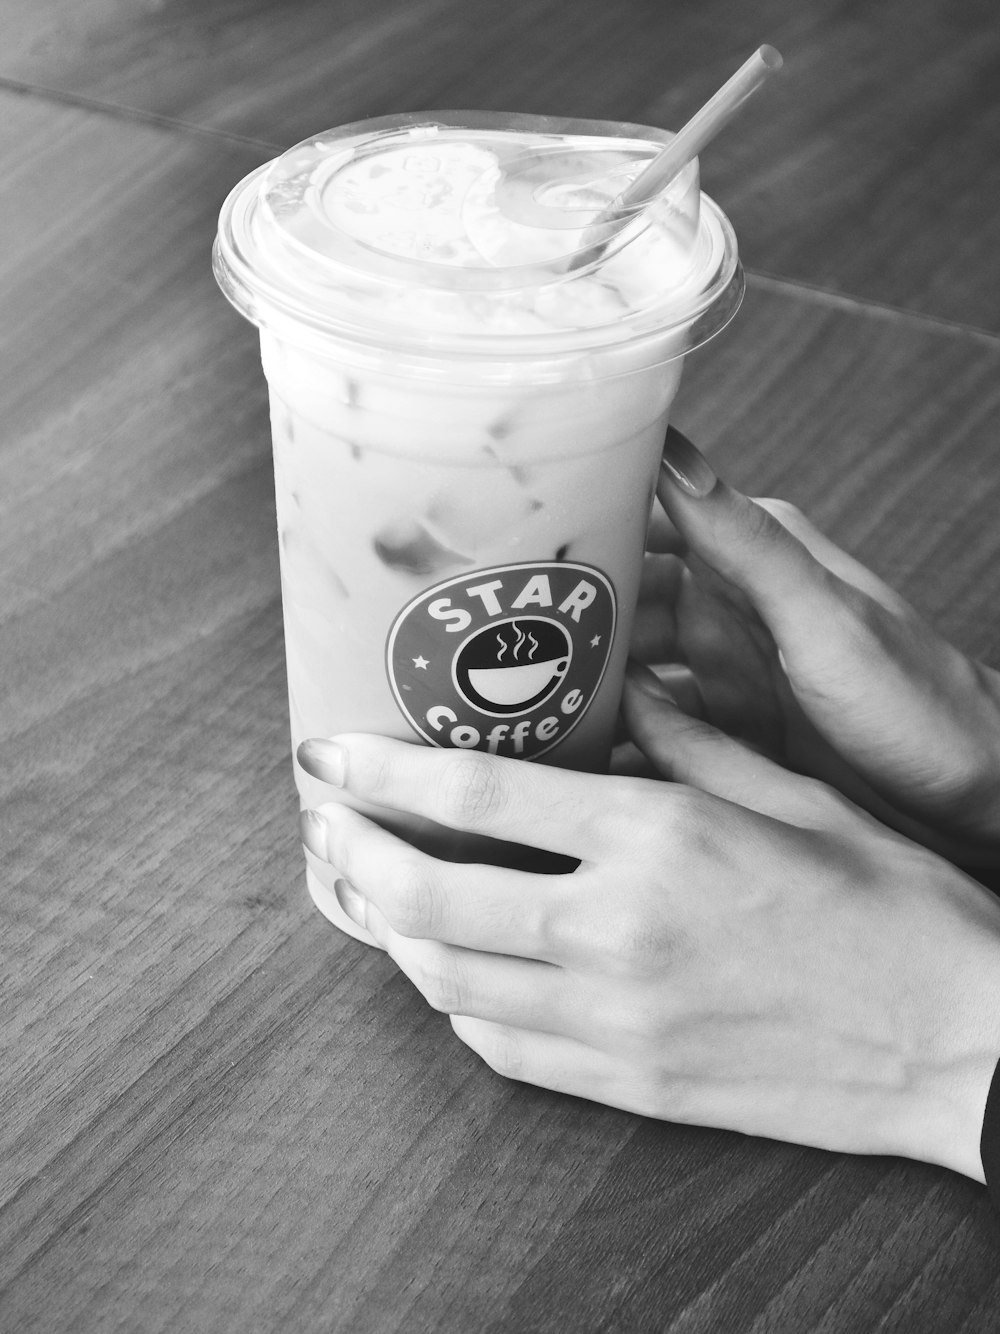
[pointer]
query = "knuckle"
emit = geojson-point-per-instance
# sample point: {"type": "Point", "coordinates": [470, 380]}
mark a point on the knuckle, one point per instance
{"type": "Point", "coordinates": [637, 1026]}
{"type": "Point", "coordinates": [470, 790]}
{"type": "Point", "coordinates": [341, 827]}
{"type": "Point", "coordinates": [413, 906]}
{"type": "Point", "coordinates": [824, 801]}
{"type": "Point", "coordinates": [624, 809]}
{"type": "Point", "coordinates": [502, 1052]}
{"type": "Point", "coordinates": [873, 627]}
{"type": "Point", "coordinates": [636, 943]}
{"type": "Point", "coordinates": [629, 815]}
{"type": "Point", "coordinates": [787, 514]}
{"type": "Point", "coordinates": [682, 829]}
{"type": "Point", "coordinates": [372, 775]}
{"type": "Point", "coordinates": [547, 922]}
{"type": "Point", "coordinates": [440, 984]}
{"type": "Point", "coordinates": [671, 1095]}
{"type": "Point", "coordinates": [758, 522]}
{"type": "Point", "coordinates": [862, 630]}
{"type": "Point", "coordinates": [859, 608]}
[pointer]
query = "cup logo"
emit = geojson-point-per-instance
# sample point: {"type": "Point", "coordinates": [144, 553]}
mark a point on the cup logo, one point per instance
{"type": "Point", "coordinates": [505, 660]}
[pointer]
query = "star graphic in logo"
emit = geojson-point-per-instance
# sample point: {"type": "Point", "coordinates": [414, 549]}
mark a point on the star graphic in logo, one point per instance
{"type": "Point", "coordinates": [421, 662]}
{"type": "Point", "coordinates": [595, 641]}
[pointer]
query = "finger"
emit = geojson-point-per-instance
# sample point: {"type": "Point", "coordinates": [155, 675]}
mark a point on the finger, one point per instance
{"type": "Point", "coordinates": [654, 631]}
{"type": "Point", "coordinates": [628, 761]}
{"type": "Point", "coordinates": [537, 805]}
{"type": "Point", "coordinates": [547, 1060]}
{"type": "Point", "coordinates": [744, 543]}
{"type": "Point", "coordinates": [568, 1065]}
{"type": "Point", "coordinates": [861, 663]}
{"type": "Point", "coordinates": [487, 908]}
{"type": "Point", "coordinates": [732, 534]}
{"type": "Point", "coordinates": [688, 750]}
{"type": "Point", "coordinates": [680, 685]}
{"type": "Point", "coordinates": [803, 585]}
{"type": "Point", "coordinates": [840, 630]}
{"type": "Point", "coordinates": [503, 990]}
{"type": "Point", "coordinates": [661, 579]}
{"type": "Point", "coordinates": [830, 555]}
{"type": "Point", "coordinates": [734, 660]}
{"type": "Point", "coordinates": [661, 535]}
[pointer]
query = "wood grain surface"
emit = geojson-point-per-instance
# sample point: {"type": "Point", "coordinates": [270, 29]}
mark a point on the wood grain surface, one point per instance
{"type": "Point", "coordinates": [216, 1113]}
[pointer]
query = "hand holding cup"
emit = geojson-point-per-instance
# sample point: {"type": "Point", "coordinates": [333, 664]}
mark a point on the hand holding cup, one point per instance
{"type": "Point", "coordinates": [745, 949]}
{"type": "Point", "coordinates": [805, 654]}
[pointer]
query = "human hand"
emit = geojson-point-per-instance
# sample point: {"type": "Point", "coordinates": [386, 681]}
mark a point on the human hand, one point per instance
{"type": "Point", "coordinates": [751, 952]}
{"type": "Point", "coordinates": [801, 651]}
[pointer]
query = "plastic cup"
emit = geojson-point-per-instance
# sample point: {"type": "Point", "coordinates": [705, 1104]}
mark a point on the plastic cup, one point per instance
{"type": "Point", "coordinates": [466, 432]}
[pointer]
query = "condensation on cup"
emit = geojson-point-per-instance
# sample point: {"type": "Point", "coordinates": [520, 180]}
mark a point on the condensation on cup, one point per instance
{"type": "Point", "coordinates": [468, 404]}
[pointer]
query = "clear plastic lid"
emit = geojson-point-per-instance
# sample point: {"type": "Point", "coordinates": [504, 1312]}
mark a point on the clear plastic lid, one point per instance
{"type": "Point", "coordinates": [472, 234]}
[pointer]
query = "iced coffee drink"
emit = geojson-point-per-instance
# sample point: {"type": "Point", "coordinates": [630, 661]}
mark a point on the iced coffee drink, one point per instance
{"type": "Point", "coordinates": [468, 402]}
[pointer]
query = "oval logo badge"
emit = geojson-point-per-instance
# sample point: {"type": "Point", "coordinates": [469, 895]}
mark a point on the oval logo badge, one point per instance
{"type": "Point", "coordinates": [505, 660]}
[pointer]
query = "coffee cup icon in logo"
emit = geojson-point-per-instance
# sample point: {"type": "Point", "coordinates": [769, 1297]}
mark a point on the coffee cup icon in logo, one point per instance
{"type": "Point", "coordinates": [512, 666]}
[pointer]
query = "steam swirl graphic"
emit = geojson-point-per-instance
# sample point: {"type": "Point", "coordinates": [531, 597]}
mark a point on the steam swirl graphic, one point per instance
{"type": "Point", "coordinates": [521, 640]}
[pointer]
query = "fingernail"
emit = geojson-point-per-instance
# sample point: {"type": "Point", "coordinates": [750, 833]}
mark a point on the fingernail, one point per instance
{"type": "Point", "coordinates": [350, 900]}
{"type": "Point", "coordinates": [685, 465]}
{"type": "Point", "coordinates": [325, 760]}
{"type": "Point", "coordinates": [646, 680]}
{"type": "Point", "coordinates": [312, 831]}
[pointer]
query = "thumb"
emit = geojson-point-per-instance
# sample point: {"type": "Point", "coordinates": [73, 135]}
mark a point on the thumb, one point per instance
{"type": "Point", "coordinates": [913, 716]}
{"type": "Point", "coordinates": [742, 541]}
{"type": "Point", "coordinates": [806, 589]}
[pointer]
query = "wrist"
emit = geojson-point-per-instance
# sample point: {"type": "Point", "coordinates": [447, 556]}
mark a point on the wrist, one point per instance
{"type": "Point", "coordinates": [989, 1144]}
{"type": "Point", "coordinates": [948, 1128]}
{"type": "Point", "coordinates": [953, 1069]}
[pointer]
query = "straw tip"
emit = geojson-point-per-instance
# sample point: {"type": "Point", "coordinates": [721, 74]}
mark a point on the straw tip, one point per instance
{"type": "Point", "coordinates": [771, 57]}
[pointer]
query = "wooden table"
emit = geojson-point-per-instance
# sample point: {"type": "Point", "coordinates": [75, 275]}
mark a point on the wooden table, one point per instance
{"type": "Point", "coordinates": [217, 1113]}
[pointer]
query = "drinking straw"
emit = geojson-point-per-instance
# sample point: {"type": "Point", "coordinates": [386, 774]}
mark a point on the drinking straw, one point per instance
{"type": "Point", "coordinates": [686, 144]}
